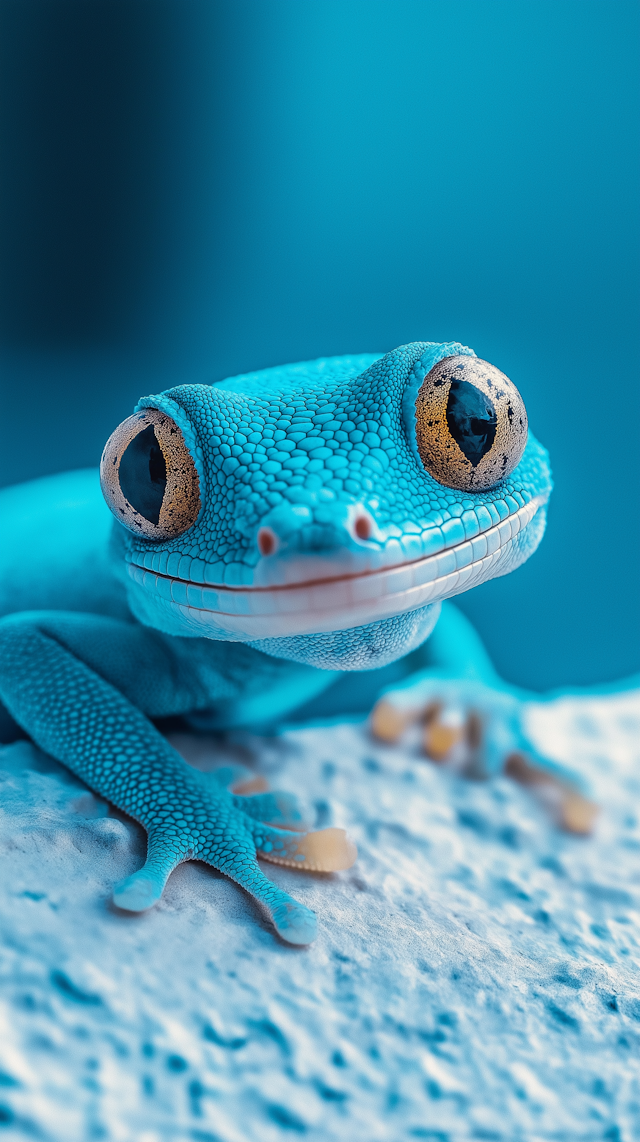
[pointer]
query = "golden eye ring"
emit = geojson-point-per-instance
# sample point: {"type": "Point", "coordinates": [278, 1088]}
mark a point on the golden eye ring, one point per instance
{"type": "Point", "coordinates": [148, 476]}
{"type": "Point", "coordinates": [471, 424]}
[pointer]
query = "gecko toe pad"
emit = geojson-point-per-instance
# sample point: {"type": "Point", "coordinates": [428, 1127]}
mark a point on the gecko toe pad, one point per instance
{"type": "Point", "coordinates": [577, 814]}
{"type": "Point", "coordinates": [327, 850]}
{"type": "Point", "coordinates": [295, 923]}
{"type": "Point", "coordinates": [137, 893]}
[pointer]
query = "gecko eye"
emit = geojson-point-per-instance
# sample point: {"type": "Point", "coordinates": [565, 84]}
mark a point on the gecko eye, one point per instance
{"type": "Point", "coordinates": [148, 476]}
{"type": "Point", "coordinates": [471, 424]}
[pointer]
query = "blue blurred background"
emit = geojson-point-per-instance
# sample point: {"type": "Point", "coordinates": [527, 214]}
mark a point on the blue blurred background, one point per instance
{"type": "Point", "coordinates": [193, 188]}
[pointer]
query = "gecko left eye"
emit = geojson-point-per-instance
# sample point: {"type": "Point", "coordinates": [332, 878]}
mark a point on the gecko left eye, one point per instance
{"type": "Point", "coordinates": [148, 476]}
{"type": "Point", "coordinates": [471, 424]}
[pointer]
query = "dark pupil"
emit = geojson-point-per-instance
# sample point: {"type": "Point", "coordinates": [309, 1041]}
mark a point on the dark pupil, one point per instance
{"type": "Point", "coordinates": [472, 420]}
{"type": "Point", "coordinates": [143, 474]}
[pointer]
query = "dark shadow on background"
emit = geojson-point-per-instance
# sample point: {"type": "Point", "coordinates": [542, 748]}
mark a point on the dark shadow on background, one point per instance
{"type": "Point", "coordinates": [108, 120]}
{"type": "Point", "coordinates": [192, 188]}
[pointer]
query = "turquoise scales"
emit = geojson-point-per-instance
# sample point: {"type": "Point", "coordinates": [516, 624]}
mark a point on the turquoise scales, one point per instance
{"type": "Point", "coordinates": [275, 530]}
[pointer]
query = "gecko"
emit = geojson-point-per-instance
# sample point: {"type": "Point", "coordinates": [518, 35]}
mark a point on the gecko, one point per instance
{"type": "Point", "coordinates": [273, 534]}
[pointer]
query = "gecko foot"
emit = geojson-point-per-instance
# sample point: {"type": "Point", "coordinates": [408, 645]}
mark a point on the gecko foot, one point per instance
{"type": "Point", "coordinates": [230, 831]}
{"type": "Point", "coordinates": [480, 730]}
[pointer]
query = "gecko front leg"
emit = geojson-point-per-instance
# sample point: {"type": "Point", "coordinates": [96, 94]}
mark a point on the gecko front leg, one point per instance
{"type": "Point", "coordinates": [75, 712]}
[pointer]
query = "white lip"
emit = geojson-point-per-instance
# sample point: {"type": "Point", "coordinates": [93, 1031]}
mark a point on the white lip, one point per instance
{"type": "Point", "coordinates": [342, 602]}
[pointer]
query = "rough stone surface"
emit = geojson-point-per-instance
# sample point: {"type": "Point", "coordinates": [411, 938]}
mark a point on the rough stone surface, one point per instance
{"type": "Point", "coordinates": [475, 975]}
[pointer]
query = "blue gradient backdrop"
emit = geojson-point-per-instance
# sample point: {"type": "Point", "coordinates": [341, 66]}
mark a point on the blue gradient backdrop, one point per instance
{"type": "Point", "coordinates": [193, 188]}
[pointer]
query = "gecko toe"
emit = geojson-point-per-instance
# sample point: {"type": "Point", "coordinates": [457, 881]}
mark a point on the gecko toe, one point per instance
{"type": "Point", "coordinates": [277, 808]}
{"type": "Point", "coordinates": [144, 888]}
{"type": "Point", "coordinates": [295, 923]}
{"type": "Point", "coordinates": [138, 892]}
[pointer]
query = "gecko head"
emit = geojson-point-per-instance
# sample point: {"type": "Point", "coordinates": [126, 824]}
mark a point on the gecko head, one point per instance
{"type": "Point", "coordinates": [321, 511]}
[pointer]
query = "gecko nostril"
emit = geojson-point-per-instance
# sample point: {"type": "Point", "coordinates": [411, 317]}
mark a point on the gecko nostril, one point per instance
{"type": "Point", "coordinates": [267, 541]}
{"type": "Point", "coordinates": [362, 527]}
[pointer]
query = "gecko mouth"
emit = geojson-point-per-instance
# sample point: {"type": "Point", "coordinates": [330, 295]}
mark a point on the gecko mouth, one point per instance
{"type": "Point", "coordinates": [341, 602]}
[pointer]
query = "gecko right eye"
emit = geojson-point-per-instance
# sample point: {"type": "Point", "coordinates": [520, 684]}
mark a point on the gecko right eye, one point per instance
{"type": "Point", "coordinates": [471, 424]}
{"type": "Point", "coordinates": [148, 476]}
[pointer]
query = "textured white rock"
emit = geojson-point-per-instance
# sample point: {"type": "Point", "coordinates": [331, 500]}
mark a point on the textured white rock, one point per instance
{"type": "Point", "coordinates": [475, 976]}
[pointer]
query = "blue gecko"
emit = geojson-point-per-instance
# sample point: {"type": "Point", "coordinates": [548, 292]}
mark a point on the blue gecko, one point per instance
{"type": "Point", "coordinates": [273, 532]}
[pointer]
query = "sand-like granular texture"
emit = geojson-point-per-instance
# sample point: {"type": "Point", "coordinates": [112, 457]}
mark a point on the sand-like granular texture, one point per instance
{"type": "Point", "coordinates": [476, 974]}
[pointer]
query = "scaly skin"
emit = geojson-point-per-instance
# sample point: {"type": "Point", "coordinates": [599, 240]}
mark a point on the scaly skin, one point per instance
{"type": "Point", "coordinates": [208, 627]}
